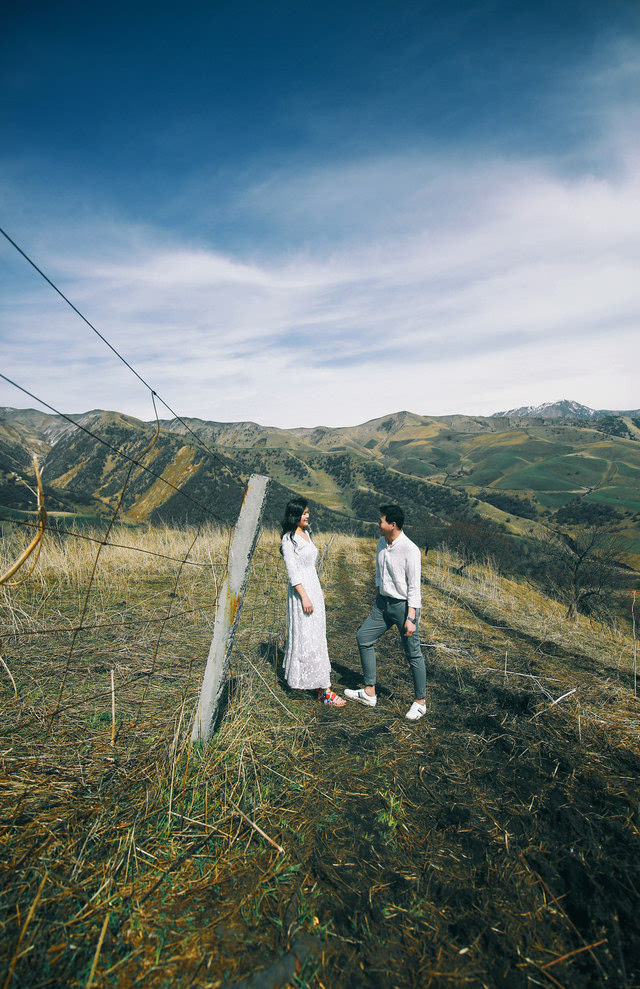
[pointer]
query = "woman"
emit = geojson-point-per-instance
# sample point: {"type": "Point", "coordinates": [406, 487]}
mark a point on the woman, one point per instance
{"type": "Point", "coordinates": [306, 663]}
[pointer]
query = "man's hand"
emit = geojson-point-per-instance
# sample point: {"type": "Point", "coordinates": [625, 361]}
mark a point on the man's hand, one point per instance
{"type": "Point", "coordinates": [409, 627]}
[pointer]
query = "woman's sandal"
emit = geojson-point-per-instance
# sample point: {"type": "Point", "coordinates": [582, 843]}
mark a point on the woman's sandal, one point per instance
{"type": "Point", "coordinates": [329, 696]}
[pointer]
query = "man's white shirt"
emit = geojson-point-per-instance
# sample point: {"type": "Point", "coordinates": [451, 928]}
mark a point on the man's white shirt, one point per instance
{"type": "Point", "coordinates": [398, 570]}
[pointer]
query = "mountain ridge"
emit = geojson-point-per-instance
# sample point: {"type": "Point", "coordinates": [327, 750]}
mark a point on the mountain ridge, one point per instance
{"type": "Point", "coordinates": [563, 408]}
{"type": "Point", "coordinates": [517, 472]}
{"type": "Point", "coordinates": [53, 426]}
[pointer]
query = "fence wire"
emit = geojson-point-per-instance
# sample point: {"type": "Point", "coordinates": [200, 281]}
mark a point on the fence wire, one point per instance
{"type": "Point", "coordinates": [106, 628]}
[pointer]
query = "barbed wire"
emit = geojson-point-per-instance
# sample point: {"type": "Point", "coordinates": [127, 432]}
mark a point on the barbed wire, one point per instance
{"type": "Point", "coordinates": [85, 603]}
{"type": "Point", "coordinates": [115, 449]}
{"type": "Point", "coordinates": [81, 535]}
{"type": "Point", "coordinates": [154, 393]}
{"type": "Point", "coordinates": [162, 628]}
{"type": "Point", "coordinates": [168, 616]}
{"type": "Point", "coordinates": [68, 630]}
{"type": "Point", "coordinates": [163, 620]}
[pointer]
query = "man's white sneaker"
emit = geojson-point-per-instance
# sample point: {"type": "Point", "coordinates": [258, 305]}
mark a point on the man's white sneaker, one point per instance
{"type": "Point", "coordinates": [362, 697]}
{"type": "Point", "coordinates": [416, 711]}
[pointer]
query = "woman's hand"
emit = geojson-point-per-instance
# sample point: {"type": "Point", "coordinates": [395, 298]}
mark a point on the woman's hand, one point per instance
{"type": "Point", "coordinates": [307, 606]}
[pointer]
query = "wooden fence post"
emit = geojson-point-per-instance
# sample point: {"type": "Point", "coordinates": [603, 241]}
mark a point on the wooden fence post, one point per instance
{"type": "Point", "coordinates": [245, 536]}
{"type": "Point", "coordinates": [325, 553]}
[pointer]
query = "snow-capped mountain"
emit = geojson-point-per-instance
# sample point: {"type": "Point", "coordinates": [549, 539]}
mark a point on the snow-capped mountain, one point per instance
{"type": "Point", "coordinates": [553, 410]}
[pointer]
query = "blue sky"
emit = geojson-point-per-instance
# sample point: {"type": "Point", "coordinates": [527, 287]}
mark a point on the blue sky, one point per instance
{"type": "Point", "coordinates": [307, 213]}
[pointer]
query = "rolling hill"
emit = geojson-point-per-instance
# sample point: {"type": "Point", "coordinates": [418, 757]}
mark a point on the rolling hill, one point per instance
{"type": "Point", "coordinates": [518, 472]}
{"type": "Point", "coordinates": [516, 468]}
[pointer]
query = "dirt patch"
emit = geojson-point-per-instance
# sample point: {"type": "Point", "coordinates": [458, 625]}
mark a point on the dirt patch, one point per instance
{"type": "Point", "coordinates": [480, 845]}
{"type": "Point", "coordinates": [494, 843]}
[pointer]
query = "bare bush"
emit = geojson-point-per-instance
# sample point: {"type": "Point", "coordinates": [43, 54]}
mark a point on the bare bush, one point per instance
{"type": "Point", "coordinates": [583, 570]}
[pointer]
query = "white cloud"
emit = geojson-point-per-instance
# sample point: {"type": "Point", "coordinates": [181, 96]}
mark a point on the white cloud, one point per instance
{"type": "Point", "coordinates": [493, 285]}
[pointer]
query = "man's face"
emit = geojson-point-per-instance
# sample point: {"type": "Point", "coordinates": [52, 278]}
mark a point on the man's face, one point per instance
{"type": "Point", "coordinates": [386, 528]}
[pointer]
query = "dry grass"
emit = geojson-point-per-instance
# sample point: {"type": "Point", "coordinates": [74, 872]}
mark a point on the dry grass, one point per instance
{"type": "Point", "coordinates": [132, 552]}
{"type": "Point", "coordinates": [134, 578]}
{"type": "Point", "coordinates": [519, 605]}
{"type": "Point", "coordinates": [492, 844]}
{"type": "Point", "coordinates": [527, 634]}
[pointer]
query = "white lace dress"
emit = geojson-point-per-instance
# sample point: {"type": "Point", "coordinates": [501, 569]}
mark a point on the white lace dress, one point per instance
{"type": "Point", "coordinates": [306, 663]}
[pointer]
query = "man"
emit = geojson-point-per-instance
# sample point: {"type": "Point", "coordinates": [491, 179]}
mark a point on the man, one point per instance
{"type": "Point", "coordinates": [398, 603]}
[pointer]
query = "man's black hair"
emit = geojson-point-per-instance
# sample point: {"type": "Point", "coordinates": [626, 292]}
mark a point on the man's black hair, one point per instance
{"type": "Point", "coordinates": [392, 513]}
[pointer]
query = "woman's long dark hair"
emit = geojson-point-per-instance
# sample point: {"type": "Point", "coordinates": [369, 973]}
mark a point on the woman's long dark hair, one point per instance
{"type": "Point", "coordinates": [292, 515]}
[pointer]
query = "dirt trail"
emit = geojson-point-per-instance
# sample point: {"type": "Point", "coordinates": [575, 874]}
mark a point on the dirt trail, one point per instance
{"type": "Point", "coordinates": [492, 844]}
{"type": "Point", "coordinates": [477, 847]}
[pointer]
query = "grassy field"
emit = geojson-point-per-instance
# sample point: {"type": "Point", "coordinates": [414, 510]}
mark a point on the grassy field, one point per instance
{"type": "Point", "coordinates": [493, 843]}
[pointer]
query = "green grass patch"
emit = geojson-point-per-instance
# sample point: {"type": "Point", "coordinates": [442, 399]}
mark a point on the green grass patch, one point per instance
{"type": "Point", "coordinates": [553, 499]}
{"type": "Point", "coordinates": [619, 497]}
{"type": "Point", "coordinates": [417, 467]}
{"type": "Point", "coordinates": [626, 470]}
{"type": "Point", "coordinates": [540, 477]}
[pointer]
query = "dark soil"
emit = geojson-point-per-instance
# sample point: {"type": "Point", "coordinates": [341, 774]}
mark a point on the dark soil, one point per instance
{"type": "Point", "coordinates": [483, 845]}
{"type": "Point", "coordinates": [474, 848]}
{"type": "Point", "coordinates": [492, 844]}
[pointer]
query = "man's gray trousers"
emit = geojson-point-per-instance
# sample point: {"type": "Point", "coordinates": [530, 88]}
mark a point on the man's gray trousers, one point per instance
{"type": "Point", "coordinates": [385, 613]}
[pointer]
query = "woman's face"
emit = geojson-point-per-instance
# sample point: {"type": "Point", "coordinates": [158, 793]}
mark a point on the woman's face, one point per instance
{"type": "Point", "coordinates": [304, 519]}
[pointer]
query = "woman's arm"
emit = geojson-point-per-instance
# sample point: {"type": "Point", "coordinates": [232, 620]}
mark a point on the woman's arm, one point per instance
{"type": "Point", "coordinates": [295, 574]}
{"type": "Point", "coordinates": [307, 606]}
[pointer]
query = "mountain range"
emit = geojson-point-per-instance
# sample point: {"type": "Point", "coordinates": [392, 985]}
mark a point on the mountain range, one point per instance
{"type": "Point", "coordinates": [563, 409]}
{"type": "Point", "coordinates": [518, 472]}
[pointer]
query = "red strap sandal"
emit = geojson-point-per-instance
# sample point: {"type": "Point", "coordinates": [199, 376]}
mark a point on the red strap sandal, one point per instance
{"type": "Point", "coordinates": [329, 696]}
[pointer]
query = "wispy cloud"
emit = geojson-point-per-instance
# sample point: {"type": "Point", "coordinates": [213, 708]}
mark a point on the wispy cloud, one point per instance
{"type": "Point", "coordinates": [425, 280]}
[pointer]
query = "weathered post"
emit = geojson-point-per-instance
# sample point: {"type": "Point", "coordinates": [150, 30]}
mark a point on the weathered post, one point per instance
{"type": "Point", "coordinates": [325, 553]}
{"type": "Point", "coordinates": [245, 536]}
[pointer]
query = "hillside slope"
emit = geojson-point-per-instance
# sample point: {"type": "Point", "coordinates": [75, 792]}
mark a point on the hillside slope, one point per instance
{"type": "Point", "coordinates": [515, 473]}
{"type": "Point", "coordinates": [493, 843]}
{"type": "Point", "coordinates": [552, 461]}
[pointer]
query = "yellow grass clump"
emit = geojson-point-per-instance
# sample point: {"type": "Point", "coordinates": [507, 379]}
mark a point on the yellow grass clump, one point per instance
{"type": "Point", "coordinates": [492, 843]}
